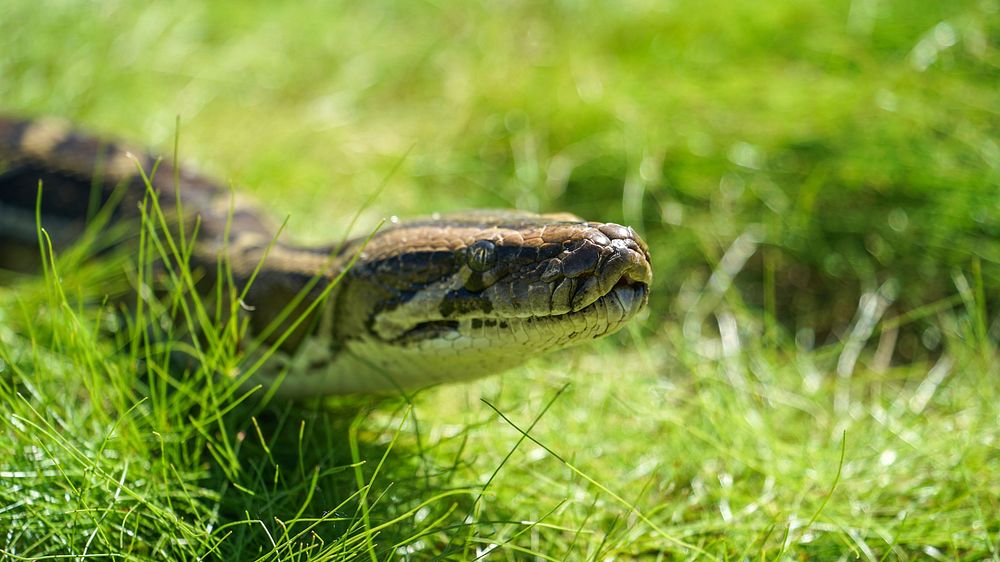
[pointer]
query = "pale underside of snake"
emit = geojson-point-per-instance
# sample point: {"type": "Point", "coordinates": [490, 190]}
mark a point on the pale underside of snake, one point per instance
{"type": "Point", "coordinates": [421, 302]}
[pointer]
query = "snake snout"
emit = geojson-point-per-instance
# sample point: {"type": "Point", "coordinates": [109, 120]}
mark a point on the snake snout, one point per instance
{"type": "Point", "coordinates": [624, 267]}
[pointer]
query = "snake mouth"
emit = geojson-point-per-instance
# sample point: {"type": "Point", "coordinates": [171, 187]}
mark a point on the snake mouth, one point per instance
{"type": "Point", "coordinates": [627, 294]}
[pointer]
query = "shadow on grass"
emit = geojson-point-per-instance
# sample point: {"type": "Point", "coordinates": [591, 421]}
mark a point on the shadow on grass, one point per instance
{"type": "Point", "coordinates": [336, 477]}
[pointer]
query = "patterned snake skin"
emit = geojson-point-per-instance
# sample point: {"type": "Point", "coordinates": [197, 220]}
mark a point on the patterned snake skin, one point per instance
{"type": "Point", "coordinates": [426, 301]}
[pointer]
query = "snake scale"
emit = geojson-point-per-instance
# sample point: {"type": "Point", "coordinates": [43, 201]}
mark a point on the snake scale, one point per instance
{"type": "Point", "coordinates": [420, 302]}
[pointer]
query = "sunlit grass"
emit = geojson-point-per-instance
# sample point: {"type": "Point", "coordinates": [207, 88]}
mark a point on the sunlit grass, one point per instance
{"type": "Point", "coordinates": [818, 182]}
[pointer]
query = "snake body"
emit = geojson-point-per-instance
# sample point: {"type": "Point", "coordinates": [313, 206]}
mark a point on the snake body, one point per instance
{"type": "Point", "coordinates": [420, 302]}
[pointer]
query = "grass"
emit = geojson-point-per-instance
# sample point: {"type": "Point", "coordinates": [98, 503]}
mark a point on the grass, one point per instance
{"type": "Point", "coordinates": [816, 379]}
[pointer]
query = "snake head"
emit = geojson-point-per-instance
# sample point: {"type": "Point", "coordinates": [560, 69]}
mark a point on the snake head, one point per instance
{"type": "Point", "coordinates": [457, 296]}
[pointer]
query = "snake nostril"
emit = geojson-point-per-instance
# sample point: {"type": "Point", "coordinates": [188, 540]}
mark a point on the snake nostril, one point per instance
{"type": "Point", "coordinates": [625, 265]}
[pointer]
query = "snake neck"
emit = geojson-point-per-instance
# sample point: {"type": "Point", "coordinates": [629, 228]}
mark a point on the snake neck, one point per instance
{"type": "Point", "coordinates": [69, 177]}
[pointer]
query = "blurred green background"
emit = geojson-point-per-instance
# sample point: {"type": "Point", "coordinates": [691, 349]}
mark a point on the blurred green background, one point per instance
{"type": "Point", "coordinates": [854, 143]}
{"type": "Point", "coordinates": [785, 160]}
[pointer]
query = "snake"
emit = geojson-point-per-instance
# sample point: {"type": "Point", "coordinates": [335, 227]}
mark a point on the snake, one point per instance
{"type": "Point", "coordinates": [436, 299]}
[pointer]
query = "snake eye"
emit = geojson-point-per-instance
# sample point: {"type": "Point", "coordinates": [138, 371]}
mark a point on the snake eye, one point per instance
{"type": "Point", "coordinates": [481, 255]}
